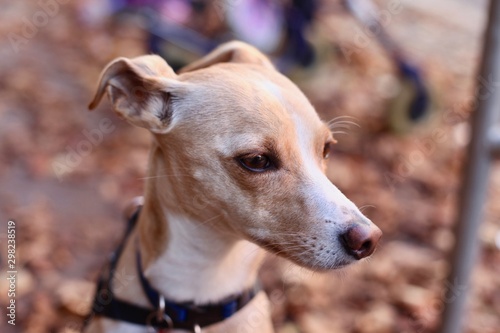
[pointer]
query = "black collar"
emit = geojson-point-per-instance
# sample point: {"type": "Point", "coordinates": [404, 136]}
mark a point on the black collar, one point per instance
{"type": "Point", "coordinates": [163, 314]}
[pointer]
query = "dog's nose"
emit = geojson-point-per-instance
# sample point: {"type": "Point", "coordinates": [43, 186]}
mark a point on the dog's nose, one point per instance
{"type": "Point", "coordinates": [361, 240]}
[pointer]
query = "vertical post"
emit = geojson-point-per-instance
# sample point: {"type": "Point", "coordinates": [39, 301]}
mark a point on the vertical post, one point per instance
{"type": "Point", "coordinates": [473, 195]}
{"type": "Point", "coordinates": [495, 141]}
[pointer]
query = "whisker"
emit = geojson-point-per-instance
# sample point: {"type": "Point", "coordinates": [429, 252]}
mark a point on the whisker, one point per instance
{"type": "Point", "coordinates": [342, 126]}
{"type": "Point", "coordinates": [339, 132]}
{"type": "Point", "coordinates": [301, 234]}
{"type": "Point", "coordinates": [366, 206]}
{"type": "Point", "coordinates": [344, 122]}
{"type": "Point", "coordinates": [293, 248]}
{"type": "Point", "coordinates": [167, 175]}
{"type": "Point", "coordinates": [177, 168]}
{"type": "Point", "coordinates": [208, 220]}
{"type": "Point", "coordinates": [340, 118]}
{"type": "Point", "coordinates": [258, 248]}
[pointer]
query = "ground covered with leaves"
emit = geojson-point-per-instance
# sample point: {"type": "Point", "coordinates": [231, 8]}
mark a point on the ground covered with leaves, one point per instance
{"type": "Point", "coordinates": [68, 207]}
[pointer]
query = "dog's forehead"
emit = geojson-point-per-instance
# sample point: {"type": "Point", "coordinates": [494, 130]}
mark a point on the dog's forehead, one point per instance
{"type": "Point", "coordinates": [251, 92]}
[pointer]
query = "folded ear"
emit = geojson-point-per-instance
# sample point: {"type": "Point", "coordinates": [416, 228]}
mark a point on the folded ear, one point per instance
{"type": "Point", "coordinates": [140, 90]}
{"type": "Point", "coordinates": [234, 51]}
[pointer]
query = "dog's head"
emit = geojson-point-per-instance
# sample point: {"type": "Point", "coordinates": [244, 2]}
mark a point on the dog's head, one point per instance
{"type": "Point", "coordinates": [233, 133]}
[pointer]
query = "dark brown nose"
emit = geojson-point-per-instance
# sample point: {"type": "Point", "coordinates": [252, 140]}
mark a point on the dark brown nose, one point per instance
{"type": "Point", "coordinates": [361, 240]}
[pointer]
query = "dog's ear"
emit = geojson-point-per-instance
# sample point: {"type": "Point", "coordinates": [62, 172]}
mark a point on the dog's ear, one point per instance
{"type": "Point", "coordinates": [140, 90]}
{"type": "Point", "coordinates": [234, 51]}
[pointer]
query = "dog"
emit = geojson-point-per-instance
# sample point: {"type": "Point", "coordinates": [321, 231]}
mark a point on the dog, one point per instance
{"type": "Point", "coordinates": [236, 167]}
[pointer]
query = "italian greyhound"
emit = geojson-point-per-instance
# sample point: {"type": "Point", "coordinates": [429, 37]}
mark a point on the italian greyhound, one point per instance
{"type": "Point", "coordinates": [236, 167]}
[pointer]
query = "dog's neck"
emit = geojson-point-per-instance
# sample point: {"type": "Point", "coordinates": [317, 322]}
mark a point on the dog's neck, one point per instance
{"type": "Point", "coordinates": [193, 260]}
{"type": "Point", "coordinates": [200, 265]}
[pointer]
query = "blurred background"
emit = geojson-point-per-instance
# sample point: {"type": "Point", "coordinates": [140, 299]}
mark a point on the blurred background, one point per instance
{"type": "Point", "coordinates": [399, 91]}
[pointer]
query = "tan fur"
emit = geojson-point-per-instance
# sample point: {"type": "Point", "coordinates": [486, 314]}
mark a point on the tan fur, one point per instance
{"type": "Point", "coordinates": [235, 52]}
{"type": "Point", "coordinates": [152, 223]}
{"type": "Point", "coordinates": [204, 213]}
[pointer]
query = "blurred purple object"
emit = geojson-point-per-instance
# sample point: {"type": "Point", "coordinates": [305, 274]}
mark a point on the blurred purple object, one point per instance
{"type": "Point", "coordinates": [258, 22]}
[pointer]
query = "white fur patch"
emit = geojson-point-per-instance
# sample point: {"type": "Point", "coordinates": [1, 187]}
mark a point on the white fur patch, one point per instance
{"type": "Point", "coordinates": [202, 264]}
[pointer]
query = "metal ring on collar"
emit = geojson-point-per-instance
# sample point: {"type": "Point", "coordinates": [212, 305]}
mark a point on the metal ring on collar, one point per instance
{"type": "Point", "coordinates": [160, 315]}
{"type": "Point", "coordinates": [153, 319]}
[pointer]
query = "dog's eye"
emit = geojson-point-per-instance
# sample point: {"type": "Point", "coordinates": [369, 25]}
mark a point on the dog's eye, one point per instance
{"type": "Point", "coordinates": [256, 163]}
{"type": "Point", "coordinates": [327, 149]}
